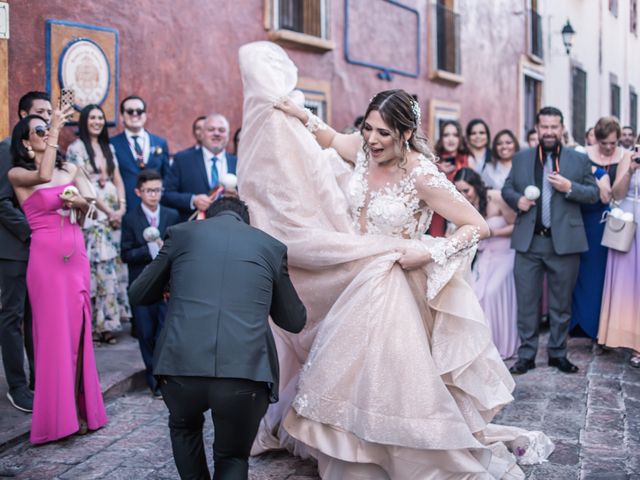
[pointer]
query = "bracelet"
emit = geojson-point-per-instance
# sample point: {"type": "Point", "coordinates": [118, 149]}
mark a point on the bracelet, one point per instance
{"type": "Point", "coordinates": [314, 123]}
{"type": "Point", "coordinates": [52, 145]}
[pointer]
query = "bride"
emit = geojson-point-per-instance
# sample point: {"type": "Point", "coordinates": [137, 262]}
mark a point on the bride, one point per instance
{"type": "Point", "coordinates": [395, 376]}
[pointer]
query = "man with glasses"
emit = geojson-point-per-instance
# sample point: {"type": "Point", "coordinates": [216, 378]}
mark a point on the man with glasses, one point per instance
{"type": "Point", "coordinates": [196, 172]}
{"type": "Point", "coordinates": [140, 245]}
{"type": "Point", "coordinates": [15, 311]}
{"type": "Point", "coordinates": [136, 148]}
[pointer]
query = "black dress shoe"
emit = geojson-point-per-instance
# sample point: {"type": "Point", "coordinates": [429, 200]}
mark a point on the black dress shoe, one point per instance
{"type": "Point", "coordinates": [522, 366]}
{"type": "Point", "coordinates": [562, 364]}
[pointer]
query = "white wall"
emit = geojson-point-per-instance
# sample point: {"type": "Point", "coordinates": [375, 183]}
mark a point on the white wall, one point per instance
{"type": "Point", "coordinates": [603, 45]}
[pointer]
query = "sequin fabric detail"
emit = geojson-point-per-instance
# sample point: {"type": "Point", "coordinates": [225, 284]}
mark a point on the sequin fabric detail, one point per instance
{"type": "Point", "coordinates": [395, 210]}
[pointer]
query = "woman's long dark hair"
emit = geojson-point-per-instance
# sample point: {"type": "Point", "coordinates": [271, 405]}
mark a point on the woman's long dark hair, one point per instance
{"type": "Point", "coordinates": [472, 178]}
{"type": "Point", "coordinates": [494, 145]}
{"type": "Point", "coordinates": [462, 147]}
{"type": "Point", "coordinates": [400, 112]}
{"type": "Point", "coordinates": [19, 153]}
{"type": "Point", "coordinates": [103, 139]}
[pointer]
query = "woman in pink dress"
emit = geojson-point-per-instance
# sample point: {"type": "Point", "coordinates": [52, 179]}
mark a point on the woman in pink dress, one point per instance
{"type": "Point", "coordinates": [493, 269]}
{"type": "Point", "coordinates": [68, 398]}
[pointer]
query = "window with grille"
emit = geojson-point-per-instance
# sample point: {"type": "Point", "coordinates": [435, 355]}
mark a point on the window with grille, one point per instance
{"type": "Point", "coordinates": [532, 102]}
{"type": "Point", "coordinates": [302, 16]}
{"type": "Point", "coordinates": [447, 37]}
{"type": "Point", "coordinates": [615, 100]}
{"type": "Point", "coordinates": [613, 7]}
{"type": "Point", "coordinates": [535, 31]}
{"type": "Point", "coordinates": [633, 16]}
{"type": "Point", "coordinates": [633, 109]}
{"type": "Point", "coordinates": [579, 103]}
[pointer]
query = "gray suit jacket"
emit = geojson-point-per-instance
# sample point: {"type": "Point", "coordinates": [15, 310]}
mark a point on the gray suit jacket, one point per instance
{"type": "Point", "coordinates": [14, 228]}
{"type": "Point", "coordinates": [226, 278]}
{"type": "Point", "coordinates": [568, 235]}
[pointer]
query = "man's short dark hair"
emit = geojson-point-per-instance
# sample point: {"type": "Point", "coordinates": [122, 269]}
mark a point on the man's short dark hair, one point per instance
{"type": "Point", "coordinates": [26, 101]}
{"type": "Point", "coordinates": [629, 127]}
{"type": "Point", "coordinates": [195, 122]}
{"type": "Point", "coordinates": [550, 112]}
{"type": "Point", "coordinates": [132, 97]}
{"type": "Point", "coordinates": [147, 175]}
{"type": "Point", "coordinates": [233, 204]}
{"type": "Point", "coordinates": [530, 132]}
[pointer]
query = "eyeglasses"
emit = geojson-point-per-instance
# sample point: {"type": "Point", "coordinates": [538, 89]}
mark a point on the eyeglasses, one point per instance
{"type": "Point", "coordinates": [134, 111]}
{"type": "Point", "coordinates": [152, 191]}
{"type": "Point", "coordinates": [40, 130]}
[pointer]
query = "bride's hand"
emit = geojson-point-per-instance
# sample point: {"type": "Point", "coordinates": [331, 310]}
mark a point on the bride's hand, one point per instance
{"type": "Point", "coordinates": [412, 258]}
{"type": "Point", "coordinates": [289, 107]}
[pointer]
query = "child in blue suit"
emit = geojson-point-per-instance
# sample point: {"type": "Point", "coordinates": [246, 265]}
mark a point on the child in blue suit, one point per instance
{"type": "Point", "coordinates": [143, 227]}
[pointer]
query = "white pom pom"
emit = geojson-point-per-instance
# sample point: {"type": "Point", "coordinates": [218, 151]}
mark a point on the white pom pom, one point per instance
{"type": "Point", "coordinates": [532, 192]}
{"type": "Point", "coordinates": [151, 234]}
{"type": "Point", "coordinates": [229, 181]}
{"type": "Point", "coordinates": [627, 217]}
{"type": "Point", "coordinates": [70, 192]}
{"type": "Point", "coordinates": [616, 212]}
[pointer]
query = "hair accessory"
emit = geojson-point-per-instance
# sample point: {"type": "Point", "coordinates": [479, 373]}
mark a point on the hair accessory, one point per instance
{"type": "Point", "coordinates": [417, 114]}
{"type": "Point", "coordinates": [30, 153]}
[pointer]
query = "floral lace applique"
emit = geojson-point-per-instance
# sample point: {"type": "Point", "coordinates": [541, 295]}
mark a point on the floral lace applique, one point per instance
{"type": "Point", "coordinates": [394, 210]}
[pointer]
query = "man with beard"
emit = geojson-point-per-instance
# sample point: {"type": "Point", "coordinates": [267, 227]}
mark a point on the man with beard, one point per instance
{"type": "Point", "coordinates": [548, 236]}
{"type": "Point", "coordinates": [628, 138]}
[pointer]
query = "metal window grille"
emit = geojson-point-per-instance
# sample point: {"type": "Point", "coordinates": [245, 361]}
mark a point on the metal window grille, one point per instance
{"type": "Point", "coordinates": [303, 16]}
{"type": "Point", "coordinates": [579, 103]}
{"type": "Point", "coordinates": [535, 34]}
{"type": "Point", "coordinates": [532, 99]}
{"type": "Point", "coordinates": [633, 16]}
{"type": "Point", "coordinates": [447, 36]}
{"type": "Point", "coordinates": [615, 100]}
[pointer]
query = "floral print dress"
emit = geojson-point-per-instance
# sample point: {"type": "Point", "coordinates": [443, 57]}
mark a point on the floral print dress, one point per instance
{"type": "Point", "coordinates": [109, 276]}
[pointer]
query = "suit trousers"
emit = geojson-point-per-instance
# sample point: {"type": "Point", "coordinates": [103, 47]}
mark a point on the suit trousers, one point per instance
{"type": "Point", "coordinates": [149, 323]}
{"type": "Point", "coordinates": [562, 273]}
{"type": "Point", "coordinates": [237, 406]}
{"type": "Point", "coordinates": [15, 317]}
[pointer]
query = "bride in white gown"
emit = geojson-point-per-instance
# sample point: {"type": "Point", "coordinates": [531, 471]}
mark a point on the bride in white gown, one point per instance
{"type": "Point", "coordinates": [399, 376]}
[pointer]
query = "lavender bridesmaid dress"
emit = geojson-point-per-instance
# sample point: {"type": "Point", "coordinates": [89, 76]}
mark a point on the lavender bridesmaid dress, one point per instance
{"type": "Point", "coordinates": [58, 283]}
{"type": "Point", "coordinates": [496, 290]}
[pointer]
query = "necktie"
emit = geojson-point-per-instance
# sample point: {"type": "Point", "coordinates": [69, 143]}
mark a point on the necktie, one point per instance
{"type": "Point", "coordinates": [154, 222]}
{"type": "Point", "coordinates": [138, 148]}
{"type": "Point", "coordinates": [214, 172]}
{"type": "Point", "coordinates": [547, 191]}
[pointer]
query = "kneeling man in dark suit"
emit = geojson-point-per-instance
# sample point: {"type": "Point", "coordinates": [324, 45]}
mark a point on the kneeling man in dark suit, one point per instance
{"type": "Point", "coordinates": [216, 350]}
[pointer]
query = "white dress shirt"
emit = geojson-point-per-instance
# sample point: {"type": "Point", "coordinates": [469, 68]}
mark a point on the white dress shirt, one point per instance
{"type": "Point", "coordinates": [154, 247]}
{"type": "Point", "coordinates": [207, 156]}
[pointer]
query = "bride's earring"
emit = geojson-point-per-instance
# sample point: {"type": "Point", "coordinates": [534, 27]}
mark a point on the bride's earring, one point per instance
{"type": "Point", "coordinates": [30, 153]}
{"type": "Point", "coordinates": [406, 145]}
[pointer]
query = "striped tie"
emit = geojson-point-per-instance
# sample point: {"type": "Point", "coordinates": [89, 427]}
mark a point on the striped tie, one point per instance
{"type": "Point", "coordinates": [547, 191]}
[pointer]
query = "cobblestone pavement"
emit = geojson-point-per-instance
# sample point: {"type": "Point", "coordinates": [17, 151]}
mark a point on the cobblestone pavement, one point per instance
{"type": "Point", "coordinates": [593, 416]}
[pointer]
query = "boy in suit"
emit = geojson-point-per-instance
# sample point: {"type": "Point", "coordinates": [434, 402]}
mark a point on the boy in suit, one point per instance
{"type": "Point", "coordinates": [140, 245]}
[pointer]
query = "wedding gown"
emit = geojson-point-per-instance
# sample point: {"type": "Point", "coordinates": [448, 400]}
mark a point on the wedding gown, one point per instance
{"type": "Point", "coordinates": [395, 375]}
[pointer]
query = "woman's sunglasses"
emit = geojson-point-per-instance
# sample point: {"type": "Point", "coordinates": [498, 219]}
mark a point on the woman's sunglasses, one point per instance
{"type": "Point", "coordinates": [40, 130]}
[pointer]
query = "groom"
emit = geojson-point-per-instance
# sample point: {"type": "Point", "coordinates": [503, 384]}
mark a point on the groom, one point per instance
{"type": "Point", "coordinates": [216, 350]}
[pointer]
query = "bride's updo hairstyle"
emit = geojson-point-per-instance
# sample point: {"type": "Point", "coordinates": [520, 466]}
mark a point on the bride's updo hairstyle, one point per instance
{"type": "Point", "coordinates": [400, 112]}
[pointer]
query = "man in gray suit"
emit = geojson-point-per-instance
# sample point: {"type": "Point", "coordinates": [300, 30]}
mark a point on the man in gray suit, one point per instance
{"type": "Point", "coordinates": [15, 311]}
{"type": "Point", "coordinates": [216, 350]}
{"type": "Point", "coordinates": [548, 236]}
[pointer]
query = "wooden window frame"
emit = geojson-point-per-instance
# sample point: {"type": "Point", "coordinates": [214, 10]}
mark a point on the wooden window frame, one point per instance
{"type": "Point", "coordinates": [435, 72]}
{"type": "Point", "coordinates": [317, 92]}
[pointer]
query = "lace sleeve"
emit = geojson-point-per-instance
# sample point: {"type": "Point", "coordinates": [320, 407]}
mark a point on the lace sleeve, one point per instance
{"type": "Point", "coordinates": [465, 238]}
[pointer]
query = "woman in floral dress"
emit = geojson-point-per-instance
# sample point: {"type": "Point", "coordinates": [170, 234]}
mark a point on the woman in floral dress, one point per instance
{"type": "Point", "coordinates": [93, 152]}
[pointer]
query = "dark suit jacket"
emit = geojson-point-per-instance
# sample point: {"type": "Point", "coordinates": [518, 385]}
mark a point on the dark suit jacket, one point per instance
{"type": "Point", "coordinates": [133, 248]}
{"type": "Point", "coordinates": [567, 228]}
{"type": "Point", "coordinates": [226, 279]}
{"type": "Point", "coordinates": [129, 166]}
{"type": "Point", "coordinates": [188, 178]}
{"type": "Point", "coordinates": [14, 228]}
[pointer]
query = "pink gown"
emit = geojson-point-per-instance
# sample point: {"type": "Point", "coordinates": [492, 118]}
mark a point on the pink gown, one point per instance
{"type": "Point", "coordinates": [496, 290]}
{"type": "Point", "coordinates": [58, 283]}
